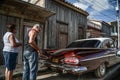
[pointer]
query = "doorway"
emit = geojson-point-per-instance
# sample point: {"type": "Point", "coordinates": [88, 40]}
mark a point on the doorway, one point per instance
{"type": "Point", "coordinates": [27, 27]}
{"type": "Point", "coordinates": [62, 34]}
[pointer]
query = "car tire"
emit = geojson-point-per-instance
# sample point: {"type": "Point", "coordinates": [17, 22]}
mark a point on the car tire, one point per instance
{"type": "Point", "coordinates": [100, 71]}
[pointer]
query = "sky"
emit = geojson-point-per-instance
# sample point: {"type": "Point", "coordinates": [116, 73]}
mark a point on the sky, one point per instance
{"type": "Point", "coordinates": [104, 10]}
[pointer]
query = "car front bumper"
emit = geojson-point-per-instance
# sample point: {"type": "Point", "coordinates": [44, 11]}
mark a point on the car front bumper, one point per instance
{"type": "Point", "coordinates": [68, 68]}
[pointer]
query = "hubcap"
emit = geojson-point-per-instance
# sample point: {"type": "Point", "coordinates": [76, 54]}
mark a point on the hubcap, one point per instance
{"type": "Point", "coordinates": [102, 69]}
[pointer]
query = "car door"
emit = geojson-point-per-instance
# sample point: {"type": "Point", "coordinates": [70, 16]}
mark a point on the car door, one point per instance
{"type": "Point", "coordinates": [112, 58]}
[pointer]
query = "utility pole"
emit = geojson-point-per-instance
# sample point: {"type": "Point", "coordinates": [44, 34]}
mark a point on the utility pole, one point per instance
{"type": "Point", "coordinates": [117, 15]}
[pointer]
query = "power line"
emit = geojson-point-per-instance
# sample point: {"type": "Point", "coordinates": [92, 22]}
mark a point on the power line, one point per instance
{"type": "Point", "coordinates": [100, 5]}
{"type": "Point", "coordinates": [98, 11]}
{"type": "Point", "coordinates": [101, 12]}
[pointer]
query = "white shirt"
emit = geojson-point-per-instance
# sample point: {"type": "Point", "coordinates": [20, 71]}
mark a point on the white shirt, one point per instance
{"type": "Point", "coordinates": [7, 46]}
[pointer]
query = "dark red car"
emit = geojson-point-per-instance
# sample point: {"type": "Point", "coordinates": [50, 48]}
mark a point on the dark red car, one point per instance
{"type": "Point", "coordinates": [93, 54]}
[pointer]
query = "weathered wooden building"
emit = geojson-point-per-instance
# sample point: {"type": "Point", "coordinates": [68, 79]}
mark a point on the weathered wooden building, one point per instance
{"type": "Point", "coordinates": [68, 24]}
{"type": "Point", "coordinates": [106, 28]}
{"type": "Point", "coordinates": [93, 30]}
{"type": "Point", "coordinates": [24, 15]}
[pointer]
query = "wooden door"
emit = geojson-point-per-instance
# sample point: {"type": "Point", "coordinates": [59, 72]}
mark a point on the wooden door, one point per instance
{"type": "Point", "coordinates": [63, 40]}
{"type": "Point", "coordinates": [80, 33]}
{"type": "Point", "coordinates": [62, 34]}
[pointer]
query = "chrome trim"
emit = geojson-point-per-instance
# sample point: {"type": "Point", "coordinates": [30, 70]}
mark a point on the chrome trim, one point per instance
{"type": "Point", "coordinates": [65, 68]}
{"type": "Point", "coordinates": [98, 57]}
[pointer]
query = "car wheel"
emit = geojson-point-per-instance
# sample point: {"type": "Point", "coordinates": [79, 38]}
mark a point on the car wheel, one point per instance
{"type": "Point", "coordinates": [101, 70]}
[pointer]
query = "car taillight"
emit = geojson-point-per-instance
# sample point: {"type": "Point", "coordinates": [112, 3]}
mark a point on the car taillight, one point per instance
{"type": "Point", "coordinates": [71, 60]}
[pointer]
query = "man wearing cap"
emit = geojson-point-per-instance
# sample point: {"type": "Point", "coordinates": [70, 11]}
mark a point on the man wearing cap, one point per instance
{"type": "Point", "coordinates": [31, 52]}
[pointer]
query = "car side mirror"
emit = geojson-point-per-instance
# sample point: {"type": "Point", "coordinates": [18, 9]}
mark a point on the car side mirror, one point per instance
{"type": "Point", "coordinates": [118, 54]}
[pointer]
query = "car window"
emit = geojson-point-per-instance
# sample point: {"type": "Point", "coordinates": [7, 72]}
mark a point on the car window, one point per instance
{"type": "Point", "coordinates": [107, 44]}
{"type": "Point", "coordinates": [84, 44]}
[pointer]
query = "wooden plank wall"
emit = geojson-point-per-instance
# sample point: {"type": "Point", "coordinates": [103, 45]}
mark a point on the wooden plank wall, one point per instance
{"type": "Point", "coordinates": [66, 16]}
{"type": "Point", "coordinates": [4, 20]}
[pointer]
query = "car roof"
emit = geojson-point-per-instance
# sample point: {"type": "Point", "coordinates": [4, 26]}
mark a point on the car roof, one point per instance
{"type": "Point", "coordinates": [100, 39]}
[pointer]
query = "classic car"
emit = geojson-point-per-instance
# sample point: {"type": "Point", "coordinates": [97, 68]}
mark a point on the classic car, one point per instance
{"type": "Point", "coordinates": [80, 56]}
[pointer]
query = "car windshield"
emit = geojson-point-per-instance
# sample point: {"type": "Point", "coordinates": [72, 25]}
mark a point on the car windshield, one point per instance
{"type": "Point", "coordinates": [84, 44]}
